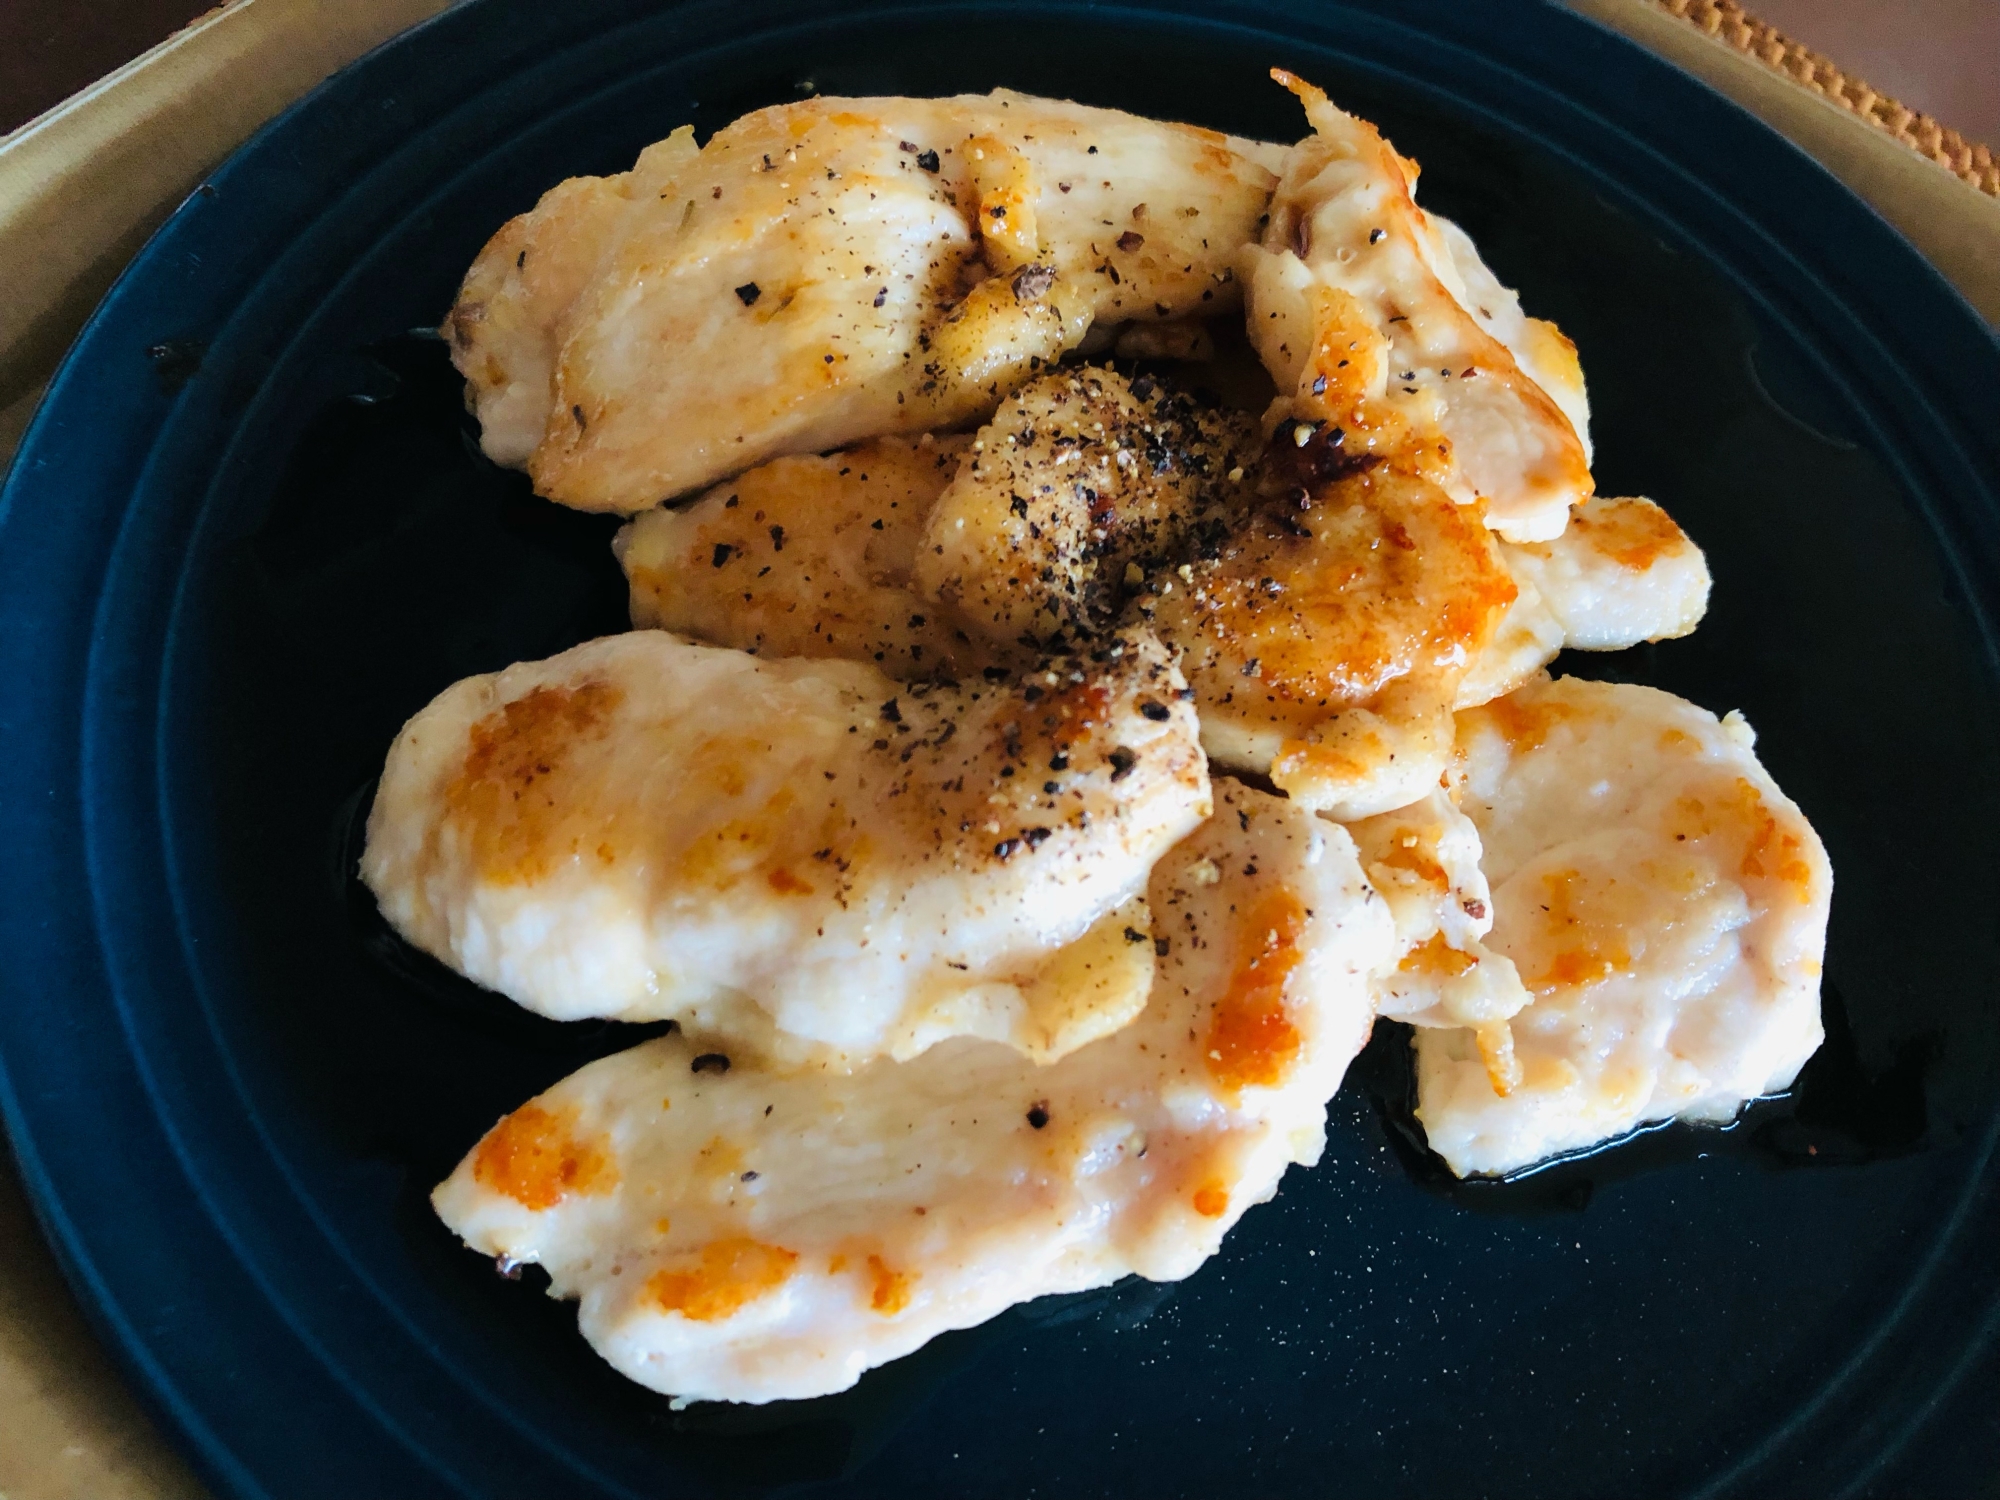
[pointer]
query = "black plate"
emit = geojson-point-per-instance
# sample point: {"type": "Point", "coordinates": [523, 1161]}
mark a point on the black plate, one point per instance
{"type": "Point", "coordinates": [248, 534]}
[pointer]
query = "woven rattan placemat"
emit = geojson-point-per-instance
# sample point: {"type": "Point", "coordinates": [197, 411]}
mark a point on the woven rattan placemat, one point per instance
{"type": "Point", "coordinates": [1726, 20]}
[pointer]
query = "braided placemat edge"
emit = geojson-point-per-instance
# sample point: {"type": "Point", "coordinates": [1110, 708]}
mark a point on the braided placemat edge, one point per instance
{"type": "Point", "coordinates": [1728, 22]}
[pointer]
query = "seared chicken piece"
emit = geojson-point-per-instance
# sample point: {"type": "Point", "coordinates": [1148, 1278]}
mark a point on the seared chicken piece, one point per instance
{"type": "Point", "coordinates": [751, 1234]}
{"type": "Point", "coordinates": [809, 557]}
{"type": "Point", "coordinates": [1081, 484]}
{"type": "Point", "coordinates": [1380, 320]}
{"type": "Point", "coordinates": [1332, 625]}
{"type": "Point", "coordinates": [1358, 629]}
{"type": "Point", "coordinates": [832, 270]}
{"type": "Point", "coordinates": [644, 828]}
{"type": "Point", "coordinates": [1622, 572]}
{"type": "Point", "coordinates": [1424, 861]}
{"type": "Point", "coordinates": [1664, 903]}
{"type": "Point", "coordinates": [1326, 636]}
{"type": "Point", "coordinates": [1544, 354]}
{"type": "Point", "coordinates": [1327, 624]}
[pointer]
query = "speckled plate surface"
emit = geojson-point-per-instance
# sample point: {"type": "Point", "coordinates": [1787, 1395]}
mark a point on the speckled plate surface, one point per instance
{"type": "Point", "coordinates": [249, 533]}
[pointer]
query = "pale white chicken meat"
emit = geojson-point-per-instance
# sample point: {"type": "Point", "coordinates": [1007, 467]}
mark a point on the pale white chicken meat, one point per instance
{"type": "Point", "coordinates": [1544, 353]}
{"type": "Point", "coordinates": [752, 1234]}
{"type": "Point", "coordinates": [1379, 319]}
{"type": "Point", "coordinates": [1662, 900]}
{"type": "Point", "coordinates": [1621, 573]}
{"type": "Point", "coordinates": [810, 556]}
{"type": "Point", "coordinates": [802, 851]}
{"type": "Point", "coordinates": [1424, 860]}
{"type": "Point", "coordinates": [832, 270]}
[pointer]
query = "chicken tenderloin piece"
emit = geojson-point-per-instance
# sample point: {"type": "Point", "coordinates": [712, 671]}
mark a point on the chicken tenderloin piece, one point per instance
{"type": "Point", "coordinates": [799, 851]}
{"type": "Point", "coordinates": [1326, 635]}
{"type": "Point", "coordinates": [1423, 860]}
{"type": "Point", "coordinates": [810, 556]}
{"type": "Point", "coordinates": [1665, 905]}
{"type": "Point", "coordinates": [1328, 608]}
{"type": "Point", "coordinates": [947, 554]}
{"type": "Point", "coordinates": [1333, 610]}
{"type": "Point", "coordinates": [832, 270]}
{"type": "Point", "coordinates": [1621, 573]}
{"type": "Point", "coordinates": [1544, 353]}
{"type": "Point", "coordinates": [755, 1234]}
{"type": "Point", "coordinates": [1380, 322]}
{"type": "Point", "coordinates": [1084, 482]}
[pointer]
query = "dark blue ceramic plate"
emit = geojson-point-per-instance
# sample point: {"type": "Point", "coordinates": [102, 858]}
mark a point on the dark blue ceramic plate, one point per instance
{"type": "Point", "coordinates": [249, 533]}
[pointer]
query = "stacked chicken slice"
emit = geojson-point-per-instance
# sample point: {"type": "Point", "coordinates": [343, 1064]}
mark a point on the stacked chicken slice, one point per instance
{"type": "Point", "coordinates": [1029, 778]}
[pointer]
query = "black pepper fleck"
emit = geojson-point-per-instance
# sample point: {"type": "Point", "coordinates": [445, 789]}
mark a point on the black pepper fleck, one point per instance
{"type": "Point", "coordinates": [1031, 283]}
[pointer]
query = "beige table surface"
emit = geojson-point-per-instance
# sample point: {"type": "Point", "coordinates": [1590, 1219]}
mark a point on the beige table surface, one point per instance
{"type": "Point", "coordinates": [82, 187]}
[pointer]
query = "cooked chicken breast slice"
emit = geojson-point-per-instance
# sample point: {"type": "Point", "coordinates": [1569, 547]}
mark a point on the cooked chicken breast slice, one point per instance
{"type": "Point", "coordinates": [1664, 903]}
{"type": "Point", "coordinates": [1328, 641]}
{"type": "Point", "coordinates": [1540, 348]}
{"type": "Point", "coordinates": [645, 828]}
{"type": "Point", "coordinates": [735, 1232]}
{"type": "Point", "coordinates": [1326, 636]}
{"type": "Point", "coordinates": [810, 556]}
{"type": "Point", "coordinates": [1622, 572]}
{"type": "Point", "coordinates": [1084, 482]}
{"type": "Point", "coordinates": [1379, 320]}
{"type": "Point", "coordinates": [1424, 861]}
{"type": "Point", "coordinates": [832, 270]}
